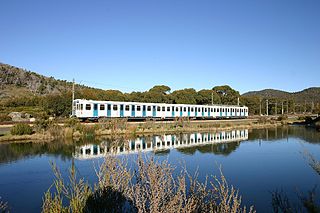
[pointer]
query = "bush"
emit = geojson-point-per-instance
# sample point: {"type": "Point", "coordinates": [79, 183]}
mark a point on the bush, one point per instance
{"type": "Point", "coordinates": [21, 129]}
{"type": "Point", "coordinates": [282, 118]}
{"type": "Point", "coordinates": [4, 117]}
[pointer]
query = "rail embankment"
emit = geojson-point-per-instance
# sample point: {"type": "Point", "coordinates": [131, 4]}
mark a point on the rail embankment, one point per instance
{"type": "Point", "coordinates": [44, 130]}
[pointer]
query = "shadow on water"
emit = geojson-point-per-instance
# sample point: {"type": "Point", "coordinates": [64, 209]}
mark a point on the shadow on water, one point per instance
{"type": "Point", "coordinates": [108, 200]}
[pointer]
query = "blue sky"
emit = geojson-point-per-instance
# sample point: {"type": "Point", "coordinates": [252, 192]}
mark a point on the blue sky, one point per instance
{"type": "Point", "coordinates": [134, 45]}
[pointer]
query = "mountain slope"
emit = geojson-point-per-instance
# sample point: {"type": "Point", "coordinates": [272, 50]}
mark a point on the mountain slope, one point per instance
{"type": "Point", "coordinates": [309, 95]}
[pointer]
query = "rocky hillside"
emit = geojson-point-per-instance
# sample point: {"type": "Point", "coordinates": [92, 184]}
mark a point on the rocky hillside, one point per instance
{"type": "Point", "coordinates": [309, 95]}
{"type": "Point", "coordinates": [13, 79]}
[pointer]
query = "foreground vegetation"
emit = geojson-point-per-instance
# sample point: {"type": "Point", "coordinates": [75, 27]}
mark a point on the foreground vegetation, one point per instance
{"type": "Point", "coordinates": [150, 186]}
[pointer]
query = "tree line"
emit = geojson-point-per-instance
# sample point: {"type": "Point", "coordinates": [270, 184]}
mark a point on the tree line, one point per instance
{"type": "Point", "coordinates": [59, 104]}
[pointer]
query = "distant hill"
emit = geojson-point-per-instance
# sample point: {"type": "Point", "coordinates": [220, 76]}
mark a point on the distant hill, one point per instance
{"type": "Point", "coordinates": [14, 81]}
{"type": "Point", "coordinates": [309, 95]}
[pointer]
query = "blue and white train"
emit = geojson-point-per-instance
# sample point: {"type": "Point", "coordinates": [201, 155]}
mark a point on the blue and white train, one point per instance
{"type": "Point", "coordinates": [93, 110]}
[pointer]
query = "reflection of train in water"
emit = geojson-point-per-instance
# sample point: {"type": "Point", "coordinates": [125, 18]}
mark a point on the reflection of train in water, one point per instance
{"type": "Point", "coordinates": [159, 143]}
{"type": "Point", "coordinates": [89, 109]}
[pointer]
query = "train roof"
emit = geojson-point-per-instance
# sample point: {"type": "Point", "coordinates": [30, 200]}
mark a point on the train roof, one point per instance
{"type": "Point", "coordinates": [128, 102]}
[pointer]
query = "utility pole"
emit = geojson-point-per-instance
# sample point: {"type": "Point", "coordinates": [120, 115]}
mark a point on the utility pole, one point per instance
{"type": "Point", "coordinates": [267, 107]}
{"type": "Point", "coordinates": [282, 108]}
{"type": "Point", "coordinates": [73, 107]}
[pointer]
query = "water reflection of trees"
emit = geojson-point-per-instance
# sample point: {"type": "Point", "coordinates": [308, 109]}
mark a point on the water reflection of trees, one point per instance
{"type": "Point", "coordinates": [16, 151]}
{"type": "Point", "coordinates": [271, 134]}
{"type": "Point", "coordinates": [66, 149]}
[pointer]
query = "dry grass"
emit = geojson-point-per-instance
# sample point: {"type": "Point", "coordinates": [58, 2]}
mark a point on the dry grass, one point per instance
{"type": "Point", "coordinates": [149, 187]}
{"type": "Point", "coordinates": [3, 206]}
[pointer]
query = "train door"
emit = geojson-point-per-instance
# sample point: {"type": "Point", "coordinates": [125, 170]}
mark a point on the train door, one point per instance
{"type": "Point", "coordinates": [95, 110]}
{"type": "Point", "coordinates": [188, 111]}
{"type": "Point", "coordinates": [226, 110]}
{"type": "Point", "coordinates": [221, 112]}
{"type": "Point", "coordinates": [196, 111]}
{"type": "Point", "coordinates": [202, 109]}
{"type": "Point", "coordinates": [121, 110]}
{"type": "Point", "coordinates": [180, 111]}
{"type": "Point", "coordinates": [154, 111]}
{"type": "Point", "coordinates": [173, 111]}
{"type": "Point", "coordinates": [144, 113]}
{"type": "Point", "coordinates": [209, 112]}
{"type": "Point", "coordinates": [109, 110]}
{"type": "Point", "coordinates": [133, 110]}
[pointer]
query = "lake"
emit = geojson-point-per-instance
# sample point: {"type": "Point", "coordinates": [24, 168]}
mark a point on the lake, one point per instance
{"type": "Point", "coordinates": [257, 162]}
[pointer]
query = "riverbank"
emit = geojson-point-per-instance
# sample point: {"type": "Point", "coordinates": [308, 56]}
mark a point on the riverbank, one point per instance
{"type": "Point", "coordinates": [122, 127]}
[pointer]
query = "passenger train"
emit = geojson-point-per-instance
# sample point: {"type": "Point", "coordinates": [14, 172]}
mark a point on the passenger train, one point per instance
{"type": "Point", "coordinates": [93, 110]}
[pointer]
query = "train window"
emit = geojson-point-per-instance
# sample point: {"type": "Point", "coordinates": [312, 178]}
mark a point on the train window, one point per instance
{"type": "Point", "coordinates": [133, 107]}
{"type": "Point", "coordinates": [88, 107]}
{"type": "Point", "coordinates": [121, 107]}
{"type": "Point", "coordinates": [188, 109]}
{"type": "Point", "coordinates": [184, 109]}
{"type": "Point", "coordinates": [191, 109]}
{"type": "Point", "coordinates": [177, 109]}
{"type": "Point", "coordinates": [127, 108]}
{"type": "Point", "coordinates": [158, 108]}
{"type": "Point", "coordinates": [115, 107]}
{"type": "Point", "coordinates": [81, 106]}
{"type": "Point", "coordinates": [102, 106]}
{"type": "Point", "coordinates": [163, 109]}
{"type": "Point", "coordinates": [205, 109]}
{"type": "Point", "coordinates": [199, 109]}
{"type": "Point", "coordinates": [109, 107]}
{"type": "Point", "coordinates": [195, 109]}
{"type": "Point", "coordinates": [95, 106]}
{"type": "Point", "coordinates": [168, 109]}
{"type": "Point", "coordinates": [173, 109]}
{"type": "Point", "coordinates": [222, 110]}
{"type": "Point", "coordinates": [218, 109]}
{"type": "Point", "coordinates": [149, 108]}
{"type": "Point", "coordinates": [143, 108]}
{"type": "Point", "coordinates": [138, 108]}
{"type": "Point", "coordinates": [228, 110]}
{"type": "Point", "coordinates": [211, 109]}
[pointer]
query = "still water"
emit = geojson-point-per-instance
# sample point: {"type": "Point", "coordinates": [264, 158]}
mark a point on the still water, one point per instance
{"type": "Point", "coordinates": [257, 162]}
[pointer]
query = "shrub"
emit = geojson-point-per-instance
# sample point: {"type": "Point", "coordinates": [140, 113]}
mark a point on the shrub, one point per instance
{"type": "Point", "coordinates": [4, 117]}
{"type": "Point", "coordinates": [151, 187]}
{"type": "Point", "coordinates": [282, 118]}
{"type": "Point", "coordinates": [21, 129]}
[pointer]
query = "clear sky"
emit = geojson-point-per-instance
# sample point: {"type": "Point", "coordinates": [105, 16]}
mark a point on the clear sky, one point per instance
{"type": "Point", "coordinates": [134, 45]}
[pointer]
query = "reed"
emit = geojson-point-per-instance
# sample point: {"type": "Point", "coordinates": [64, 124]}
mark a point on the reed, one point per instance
{"type": "Point", "coordinates": [149, 186]}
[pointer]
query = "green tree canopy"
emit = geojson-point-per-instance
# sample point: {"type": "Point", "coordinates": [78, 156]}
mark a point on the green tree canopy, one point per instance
{"type": "Point", "coordinates": [227, 94]}
{"type": "Point", "coordinates": [185, 96]}
{"type": "Point", "coordinates": [204, 97]}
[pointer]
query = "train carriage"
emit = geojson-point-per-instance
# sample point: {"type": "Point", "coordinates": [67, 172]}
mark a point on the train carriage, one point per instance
{"type": "Point", "coordinates": [93, 110]}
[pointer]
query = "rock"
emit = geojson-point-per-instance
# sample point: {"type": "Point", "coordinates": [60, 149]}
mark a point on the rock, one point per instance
{"type": "Point", "coordinates": [32, 119]}
{"type": "Point", "coordinates": [18, 116]}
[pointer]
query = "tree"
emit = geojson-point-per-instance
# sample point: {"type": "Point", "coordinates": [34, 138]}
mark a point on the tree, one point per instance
{"type": "Point", "coordinates": [185, 96]}
{"type": "Point", "coordinates": [227, 94]}
{"type": "Point", "coordinates": [207, 96]}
